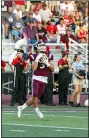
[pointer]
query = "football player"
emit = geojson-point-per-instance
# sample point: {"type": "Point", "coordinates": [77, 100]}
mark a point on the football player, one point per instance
{"type": "Point", "coordinates": [41, 70]}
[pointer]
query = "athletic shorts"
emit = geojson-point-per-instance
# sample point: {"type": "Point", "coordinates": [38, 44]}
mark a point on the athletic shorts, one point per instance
{"type": "Point", "coordinates": [38, 88]}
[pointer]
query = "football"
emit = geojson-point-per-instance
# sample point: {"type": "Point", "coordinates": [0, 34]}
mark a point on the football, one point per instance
{"type": "Point", "coordinates": [86, 102]}
{"type": "Point", "coordinates": [41, 60]}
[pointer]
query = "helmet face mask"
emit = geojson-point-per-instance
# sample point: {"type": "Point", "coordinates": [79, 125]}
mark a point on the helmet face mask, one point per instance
{"type": "Point", "coordinates": [41, 47]}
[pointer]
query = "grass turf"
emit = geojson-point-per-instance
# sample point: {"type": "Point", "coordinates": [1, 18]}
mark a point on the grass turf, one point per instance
{"type": "Point", "coordinates": [58, 121]}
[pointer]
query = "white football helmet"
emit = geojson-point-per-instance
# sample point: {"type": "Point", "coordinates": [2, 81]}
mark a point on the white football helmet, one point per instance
{"type": "Point", "coordinates": [41, 47]}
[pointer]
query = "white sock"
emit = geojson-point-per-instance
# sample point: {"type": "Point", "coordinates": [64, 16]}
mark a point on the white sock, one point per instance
{"type": "Point", "coordinates": [24, 106]}
{"type": "Point", "coordinates": [37, 109]}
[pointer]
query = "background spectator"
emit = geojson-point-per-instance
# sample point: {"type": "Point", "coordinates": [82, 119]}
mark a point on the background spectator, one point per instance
{"type": "Point", "coordinates": [77, 80]}
{"type": "Point", "coordinates": [17, 10]}
{"type": "Point", "coordinates": [22, 4]}
{"type": "Point", "coordinates": [72, 12]}
{"type": "Point", "coordinates": [36, 15]}
{"type": "Point", "coordinates": [77, 18]}
{"type": "Point", "coordinates": [82, 34]}
{"type": "Point", "coordinates": [7, 20]}
{"type": "Point", "coordinates": [65, 38]}
{"type": "Point", "coordinates": [67, 18]}
{"type": "Point", "coordinates": [61, 27]}
{"type": "Point", "coordinates": [63, 65]}
{"type": "Point", "coordinates": [30, 17]}
{"type": "Point", "coordinates": [52, 31]}
{"type": "Point", "coordinates": [31, 32]}
{"type": "Point", "coordinates": [17, 27]}
{"type": "Point", "coordinates": [19, 89]}
{"type": "Point", "coordinates": [45, 13]}
{"type": "Point", "coordinates": [41, 32]}
{"type": "Point", "coordinates": [67, 5]}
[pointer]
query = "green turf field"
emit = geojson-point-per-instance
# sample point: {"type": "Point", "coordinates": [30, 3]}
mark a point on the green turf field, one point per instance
{"type": "Point", "coordinates": [58, 121]}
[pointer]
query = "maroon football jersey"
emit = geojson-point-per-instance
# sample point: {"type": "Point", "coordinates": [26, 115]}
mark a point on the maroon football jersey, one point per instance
{"type": "Point", "coordinates": [42, 69]}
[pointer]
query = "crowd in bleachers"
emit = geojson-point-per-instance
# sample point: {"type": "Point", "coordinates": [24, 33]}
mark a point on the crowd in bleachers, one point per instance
{"type": "Point", "coordinates": [40, 24]}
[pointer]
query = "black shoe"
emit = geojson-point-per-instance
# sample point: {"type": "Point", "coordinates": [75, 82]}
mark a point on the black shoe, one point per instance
{"type": "Point", "coordinates": [51, 104]}
{"type": "Point", "coordinates": [11, 104]}
{"type": "Point", "coordinates": [61, 103]}
{"type": "Point", "coordinates": [71, 103]}
{"type": "Point", "coordinates": [65, 103]}
{"type": "Point", "coordinates": [78, 105]}
{"type": "Point", "coordinates": [6, 37]}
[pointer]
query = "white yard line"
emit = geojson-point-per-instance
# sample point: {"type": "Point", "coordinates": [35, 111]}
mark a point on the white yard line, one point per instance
{"type": "Point", "coordinates": [46, 115]}
{"type": "Point", "coordinates": [61, 130]}
{"type": "Point", "coordinates": [43, 111]}
{"type": "Point", "coordinates": [17, 130]}
{"type": "Point", "coordinates": [42, 126]}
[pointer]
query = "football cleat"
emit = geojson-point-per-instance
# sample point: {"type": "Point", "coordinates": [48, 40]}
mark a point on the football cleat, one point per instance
{"type": "Point", "coordinates": [40, 114]}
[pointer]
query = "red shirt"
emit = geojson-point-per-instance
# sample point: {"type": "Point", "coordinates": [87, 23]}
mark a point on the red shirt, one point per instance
{"type": "Point", "coordinates": [51, 29]}
{"type": "Point", "coordinates": [67, 20]}
{"type": "Point", "coordinates": [61, 62]}
{"type": "Point", "coordinates": [18, 60]}
{"type": "Point", "coordinates": [82, 33]}
{"type": "Point", "coordinates": [20, 2]}
{"type": "Point", "coordinates": [3, 64]}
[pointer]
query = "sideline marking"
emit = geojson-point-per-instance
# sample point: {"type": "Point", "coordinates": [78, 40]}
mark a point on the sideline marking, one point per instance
{"type": "Point", "coordinates": [17, 130]}
{"type": "Point", "coordinates": [46, 115]}
{"type": "Point", "coordinates": [61, 130]}
{"type": "Point", "coordinates": [42, 111]}
{"type": "Point", "coordinates": [26, 125]}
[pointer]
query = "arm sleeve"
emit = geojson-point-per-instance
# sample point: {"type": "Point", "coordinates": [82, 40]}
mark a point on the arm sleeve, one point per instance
{"type": "Point", "coordinates": [74, 66]}
{"type": "Point", "coordinates": [15, 61]}
{"type": "Point", "coordinates": [3, 64]}
{"type": "Point", "coordinates": [59, 63]}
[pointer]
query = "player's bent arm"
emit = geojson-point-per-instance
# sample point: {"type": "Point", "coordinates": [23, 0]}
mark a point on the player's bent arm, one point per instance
{"type": "Point", "coordinates": [51, 66]}
{"type": "Point", "coordinates": [35, 64]}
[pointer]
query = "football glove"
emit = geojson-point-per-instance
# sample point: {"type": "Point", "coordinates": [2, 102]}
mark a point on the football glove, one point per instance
{"type": "Point", "coordinates": [44, 60]}
{"type": "Point", "coordinates": [38, 57]}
